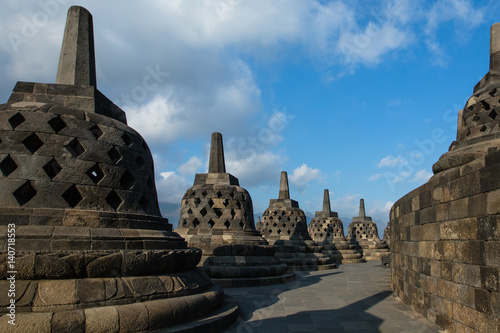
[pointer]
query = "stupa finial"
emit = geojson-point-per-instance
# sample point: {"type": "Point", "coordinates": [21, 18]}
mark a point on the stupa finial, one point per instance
{"type": "Point", "coordinates": [326, 202]}
{"type": "Point", "coordinates": [216, 163]}
{"type": "Point", "coordinates": [77, 59]}
{"type": "Point", "coordinates": [284, 190]}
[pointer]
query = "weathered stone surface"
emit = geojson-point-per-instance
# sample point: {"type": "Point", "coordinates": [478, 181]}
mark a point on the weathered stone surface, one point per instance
{"type": "Point", "coordinates": [91, 245]}
{"type": "Point", "coordinates": [457, 227]}
{"type": "Point", "coordinates": [327, 229]}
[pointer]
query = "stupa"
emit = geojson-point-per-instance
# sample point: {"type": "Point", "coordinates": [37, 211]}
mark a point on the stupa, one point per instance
{"type": "Point", "coordinates": [284, 224]}
{"type": "Point", "coordinates": [445, 234]}
{"type": "Point", "coordinates": [363, 233]}
{"type": "Point", "coordinates": [387, 235]}
{"type": "Point", "coordinates": [217, 217]}
{"type": "Point", "coordinates": [91, 252]}
{"type": "Point", "coordinates": [327, 229]}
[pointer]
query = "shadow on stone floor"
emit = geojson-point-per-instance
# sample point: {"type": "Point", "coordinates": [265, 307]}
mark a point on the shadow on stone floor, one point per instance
{"type": "Point", "coordinates": [350, 318]}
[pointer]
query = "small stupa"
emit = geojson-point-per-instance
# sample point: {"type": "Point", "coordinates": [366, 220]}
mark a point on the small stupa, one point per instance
{"type": "Point", "coordinates": [363, 233]}
{"type": "Point", "coordinates": [217, 217]}
{"type": "Point", "coordinates": [92, 251]}
{"type": "Point", "coordinates": [327, 229]}
{"type": "Point", "coordinates": [284, 224]}
{"type": "Point", "coordinates": [387, 234]}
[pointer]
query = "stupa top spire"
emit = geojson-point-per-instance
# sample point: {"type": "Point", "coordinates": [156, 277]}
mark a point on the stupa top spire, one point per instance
{"type": "Point", "coordinates": [326, 202]}
{"type": "Point", "coordinates": [216, 163]}
{"type": "Point", "coordinates": [77, 59]}
{"type": "Point", "coordinates": [284, 189]}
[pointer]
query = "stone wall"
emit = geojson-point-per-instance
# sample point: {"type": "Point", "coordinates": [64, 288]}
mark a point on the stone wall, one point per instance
{"type": "Point", "coordinates": [445, 247]}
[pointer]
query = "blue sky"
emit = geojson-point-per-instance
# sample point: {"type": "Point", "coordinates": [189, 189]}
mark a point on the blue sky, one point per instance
{"type": "Point", "coordinates": [354, 96]}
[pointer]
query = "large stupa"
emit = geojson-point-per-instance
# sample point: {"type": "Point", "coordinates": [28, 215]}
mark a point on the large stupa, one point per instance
{"type": "Point", "coordinates": [81, 231]}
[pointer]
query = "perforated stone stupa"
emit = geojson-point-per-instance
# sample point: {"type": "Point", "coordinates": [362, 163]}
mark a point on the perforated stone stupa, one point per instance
{"type": "Point", "coordinates": [450, 226]}
{"type": "Point", "coordinates": [327, 229]}
{"type": "Point", "coordinates": [363, 232]}
{"type": "Point", "coordinates": [92, 252]}
{"type": "Point", "coordinates": [284, 224]}
{"type": "Point", "coordinates": [217, 217]}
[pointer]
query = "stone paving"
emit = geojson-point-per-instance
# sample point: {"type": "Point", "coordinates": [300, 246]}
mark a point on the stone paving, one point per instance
{"type": "Point", "coordinates": [352, 298]}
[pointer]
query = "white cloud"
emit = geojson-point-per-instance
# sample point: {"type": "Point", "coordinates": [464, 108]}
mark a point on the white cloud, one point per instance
{"type": "Point", "coordinates": [380, 208]}
{"type": "Point", "coordinates": [304, 174]}
{"type": "Point", "coordinates": [171, 187]}
{"type": "Point", "coordinates": [375, 176]}
{"type": "Point", "coordinates": [390, 161]}
{"type": "Point", "coordinates": [422, 176]}
{"type": "Point", "coordinates": [256, 168]}
{"type": "Point", "coordinates": [347, 205]}
{"type": "Point", "coordinates": [190, 166]}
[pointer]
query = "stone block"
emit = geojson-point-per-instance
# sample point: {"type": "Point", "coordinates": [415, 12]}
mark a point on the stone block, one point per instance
{"type": "Point", "coordinates": [493, 202]}
{"type": "Point", "coordinates": [133, 317]}
{"type": "Point", "coordinates": [492, 249]}
{"type": "Point", "coordinates": [459, 229]}
{"type": "Point", "coordinates": [56, 292]}
{"type": "Point", "coordinates": [102, 319]}
{"type": "Point", "coordinates": [156, 314]}
{"type": "Point", "coordinates": [482, 300]}
{"type": "Point", "coordinates": [90, 290]}
{"type": "Point", "coordinates": [490, 278]}
{"type": "Point", "coordinates": [69, 321]}
{"type": "Point", "coordinates": [28, 323]}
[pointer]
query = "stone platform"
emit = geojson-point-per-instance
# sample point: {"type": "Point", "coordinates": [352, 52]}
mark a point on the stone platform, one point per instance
{"type": "Point", "coordinates": [352, 298]}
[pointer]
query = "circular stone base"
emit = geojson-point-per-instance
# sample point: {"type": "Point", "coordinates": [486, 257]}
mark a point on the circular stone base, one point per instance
{"type": "Point", "coordinates": [135, 317]}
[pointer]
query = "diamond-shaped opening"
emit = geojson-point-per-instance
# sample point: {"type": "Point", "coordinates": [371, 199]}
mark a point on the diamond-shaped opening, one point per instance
{"type": "Point", "coordinates": [232, 195]}
{"type": "Point", "coordinates": [483, 128]}
{"type": "Point", "coordinates": [190, 211]}
{"type": "Point", "coordinates": [52, 168]}
{"type": "Point", "coordinates": [283, 213]}
{"type": "Point", "coordinates": [492, 114]}
{"type": "Point", "coordinates": [96, 131]}
{"type": "Point", "coordinates": [128, 180]}
{"type": "Point", "coordinates": [57, 124]}
{"type": "Point", "coordinates": [493, 92]}
{"type": "Point", "coordinates": [211, 223]}
{"type": "Point", "coordinates": [114, 200]}
{"type": "Point", "coordinates": [95, 173]}
{"type": "Point", "coordinates": [218, 212]}
{"type": "Point", "coordinates": [485, 105]}
{"type": "Point", "coordinates": [242, 225]}
{"type": "Point", "coordinates": [150, 183]}
{"type": "Point", "coordinates": [196, 222]}
{"type": "Point", "coordinates": [32, 143]}
{"type": "Point", "coordinates": [139, 161]}
{"type": "Point", "coordinates": [233, 213]}
{"type": "Point", "coordinates": [197, 201]}
{"type": "Point", "coordinates": [275, 212]}
{"type": "Point", "coordinates": [278, 231]}
{"type": "Point", "coordinates": [284, 225]}
{"type": "Point", "coordinates": [24, 193]}
{"type": "Point", "coordinates": [184, 222]}
{"type": "Point", "coordinates": [227, 224]}
{"type": "Point", "coordinates": [72, 196]}
{"type": "Point", "coordinates": [275, 224]}
{"type": "Point", "coordinates": [289, 232]}
{"type": "Point", "coordinates": [219, 194]}
{"type": "Point", "coordinates": [238, 204]}
{"type": "Point", "coordinates": [16, 120]}
{"type": "Point", "coordinates": [225, 203]}
{"type": "Point", "coordinates": [288, 218]}
{"type": "Point", "coordinates": [321, 234]}
{"type": "Point", "coordinates": [8, 166]}
{"type": "Point", "coordinates": [144, 203]}
{"type": "Point", "coordinates": [127, 139]}
{"type": "Point", "coordinates": [193, 193]}
{"type": "Point", "coordinates": [203, 211]}
{"type": "Point", "coordinates": [468, 133]}
{"type": "Point", "coordinates": [210, 203]}
{"type": "Point", "coordinates": [269, 231]}
{"type": "Point", "coordinates": [114, 155]}
{"type": "Point", "coordinates": [293, 225]}
{"type": "Point", "coordinates": [75, 148]}
{"type": "Point", "coordinates": [279, 218]}
{"type": "Point", "coordinates": [476, 118]}
{"type": "Point", "coordinates": [204, 193]}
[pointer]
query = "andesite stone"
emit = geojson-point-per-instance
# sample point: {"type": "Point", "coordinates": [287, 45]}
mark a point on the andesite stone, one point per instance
{"type": "Point", "coordinates": [217, 217]}
{"type": "Point", "coordinates": [78, 186]}
{"type": "Point", "coordinates": [327, 229]}
{"type": "Point", "coordinates": [284, 224]}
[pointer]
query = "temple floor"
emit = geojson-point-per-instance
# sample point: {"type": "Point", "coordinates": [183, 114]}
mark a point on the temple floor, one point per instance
{"type": "Point", "coordinates": [352, 298]}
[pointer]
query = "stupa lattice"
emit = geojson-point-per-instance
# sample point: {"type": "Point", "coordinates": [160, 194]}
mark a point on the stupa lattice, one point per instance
{"type": "Point", "coordinates": [93, 252]}
{"type": "Point", "coordinates": [284, 224]}
{"type": "Point", "coordinates": [327, 229]}
{"type": "Point", "coordinates": [363, 232]}
{"type": "Point", "coordinates": [217, 217]}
